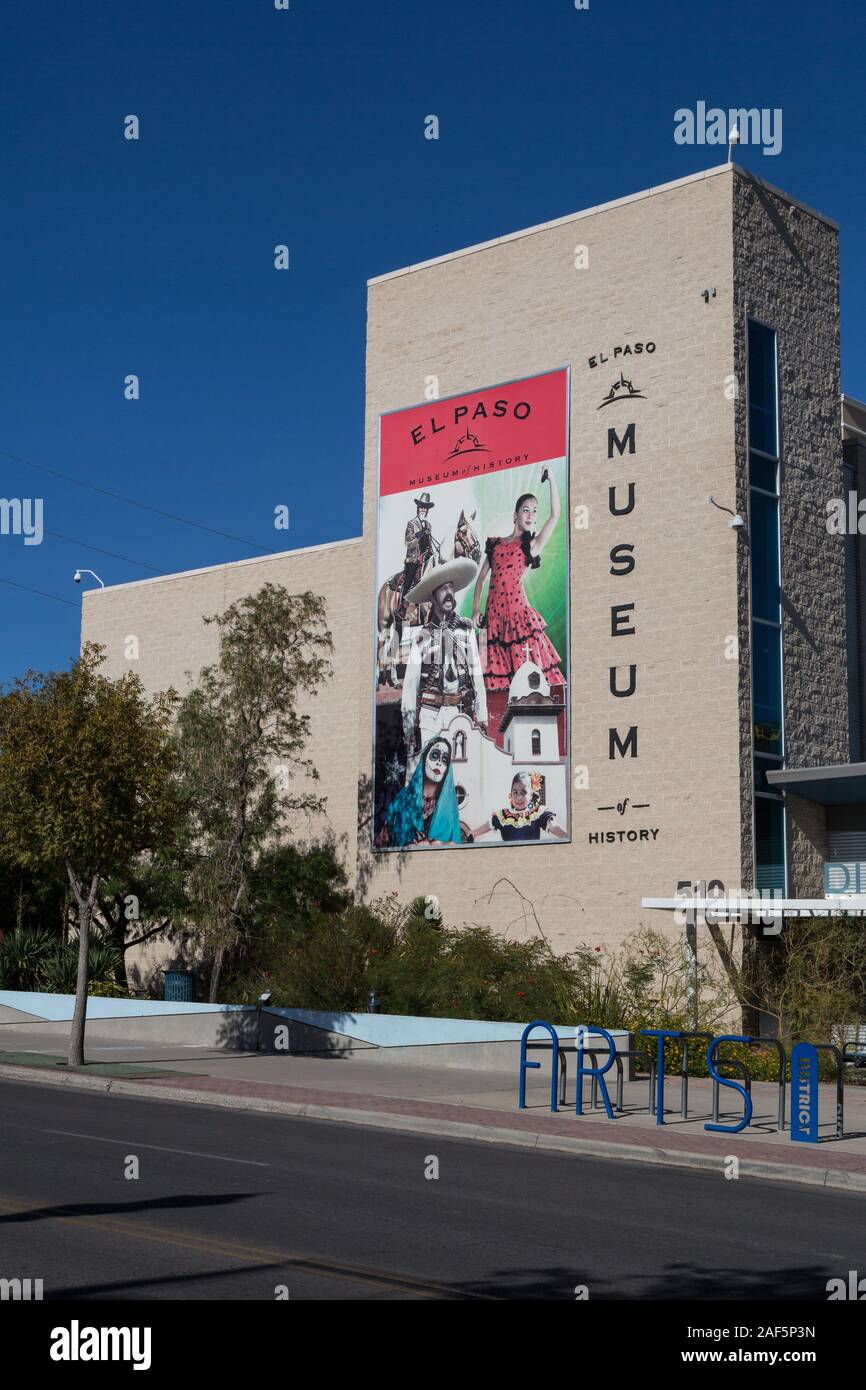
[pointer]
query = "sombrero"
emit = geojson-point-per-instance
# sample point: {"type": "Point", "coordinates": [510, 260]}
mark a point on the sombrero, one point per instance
{"type": "Point", "coordinates": [424, 501]}
{"type": "Point", "coordinates": [460, 573]}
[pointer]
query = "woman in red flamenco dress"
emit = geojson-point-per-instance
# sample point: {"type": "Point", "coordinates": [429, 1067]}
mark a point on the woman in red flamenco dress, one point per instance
{"type": "Point", "coordinates": [515, 630]}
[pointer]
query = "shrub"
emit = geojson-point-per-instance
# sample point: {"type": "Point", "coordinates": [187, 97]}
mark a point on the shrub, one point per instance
{"type": "Point", "coordinates": [34, 959]}
{"type": "Point", "coordinates": [420, 967]}
{"type": "Point", "coordinates": [60, 969]}
{"type": "Point", "coordinates": [24, 953]}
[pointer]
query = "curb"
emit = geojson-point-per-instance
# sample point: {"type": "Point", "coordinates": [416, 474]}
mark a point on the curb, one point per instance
{"type": "Point", "coordinates": [453, 1129]}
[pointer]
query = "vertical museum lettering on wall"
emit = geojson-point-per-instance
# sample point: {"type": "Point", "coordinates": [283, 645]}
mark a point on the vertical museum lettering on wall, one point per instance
{"type": "Point", "coordinates": [622, 444]}
{"type": "Point", "coordinates": [621, 502]}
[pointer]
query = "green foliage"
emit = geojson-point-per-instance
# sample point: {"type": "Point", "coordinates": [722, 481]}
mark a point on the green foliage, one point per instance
{"type": "Point", "coordinates": [417, 967]}
{"type": "Point", "coordinates": [37, 960]}
{"type": "Point", "coordinates": [242, 746]}
{"type": "Point", "coordinates": [289, 884]}
{"type": "Point", "coordinates": [107, 989]}
{"type": "Point", "coordinates": [87, 782]}
{"type": "Point", "coordinates": [813, 978]}
{"type": "Point", "coordinates": [473, 973]}
{"type": "Point", "coordinates": [33, 897]}
{"type": "Point", "coordinates": [86, 770]}
{"type": "Point", "coordinates": [61, 967]}
{"type": "Point", "coordinates": [23, 954]}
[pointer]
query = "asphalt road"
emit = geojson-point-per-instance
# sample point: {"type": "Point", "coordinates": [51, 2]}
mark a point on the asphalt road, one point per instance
{"type": "Point", "coordinates": [230, 1205]}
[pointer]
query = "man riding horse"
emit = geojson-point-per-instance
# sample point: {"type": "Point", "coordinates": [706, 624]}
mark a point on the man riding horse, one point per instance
{"type": "Point", "coordinates": [422, 550]}
{"type": "Point", "coordinates": [393, 610]}
{"type": "Point", "coordinates": [419, 543]}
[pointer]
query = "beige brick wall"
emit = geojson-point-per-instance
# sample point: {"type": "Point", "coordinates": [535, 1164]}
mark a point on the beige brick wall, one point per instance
{"type": "Point", "coordinates": [174, 644]}
{"type": "Point", "coordinates": [520, 307]}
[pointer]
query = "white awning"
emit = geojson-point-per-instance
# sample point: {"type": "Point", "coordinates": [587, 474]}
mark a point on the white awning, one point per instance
{"type": "Point", "coordinates": [851, 905]}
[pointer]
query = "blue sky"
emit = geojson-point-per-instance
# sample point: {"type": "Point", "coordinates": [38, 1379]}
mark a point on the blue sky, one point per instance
{"type": "Point", "coordinates": [306, 127]}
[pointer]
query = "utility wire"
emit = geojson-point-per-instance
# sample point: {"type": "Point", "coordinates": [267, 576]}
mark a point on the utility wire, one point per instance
{"type": "Point", "coordinates": [131, 502]}
{"type": "Point", "coordinates": [40, 592]}
{"type": "Point", "coordinates": [73, 540]}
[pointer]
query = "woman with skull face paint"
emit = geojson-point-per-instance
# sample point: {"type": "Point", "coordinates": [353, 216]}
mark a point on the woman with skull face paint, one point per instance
{"type": "Point", "coordinates": [425, 811]}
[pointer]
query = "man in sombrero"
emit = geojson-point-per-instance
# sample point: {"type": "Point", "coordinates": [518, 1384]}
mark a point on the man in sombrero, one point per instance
{"type": "Point", "coordinates": [418, 541]}
{"type": "Point", "coordinates": [443, 673]}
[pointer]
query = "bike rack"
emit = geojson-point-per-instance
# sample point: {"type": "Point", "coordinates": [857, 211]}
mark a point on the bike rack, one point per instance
{"type": "Point", "coordinates": [685, 1039]}
{"type": "Point", "coordinates": [759, 1040]}
{"type": "Point", "coordinates": [714, 1062]}
{"type": "Point", "coordinates": [762, 1040]}
{"type": "Point", "coordinates": [631, 1052]}
{"type": "Point", "coordinates": [582, 1033]}
{"type": "Point", "coordinates": [745, 1077]}
{"type": "Point", "coordinates": [840, 1084]}
{"type": "Point", "coordinates": [857, 1056]}
{"type": "Point", "coordinates": [559, 1070]}
{"type": "Point", "coordinates": [535, 1066]}
{"type": "Point", "coordinates": [562, 1051]}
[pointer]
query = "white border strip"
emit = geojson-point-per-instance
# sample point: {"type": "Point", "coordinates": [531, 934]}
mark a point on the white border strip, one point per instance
{"type": "Point", "coordinates": [833, 906]}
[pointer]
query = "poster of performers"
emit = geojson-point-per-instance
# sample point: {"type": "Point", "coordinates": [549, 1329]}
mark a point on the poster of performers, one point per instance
{"type": "Point", "coordinates": [471, 726]}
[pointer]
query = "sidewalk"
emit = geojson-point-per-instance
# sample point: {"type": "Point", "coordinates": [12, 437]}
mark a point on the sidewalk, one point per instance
{"type": "Point", "coordinates": [480, 1106]}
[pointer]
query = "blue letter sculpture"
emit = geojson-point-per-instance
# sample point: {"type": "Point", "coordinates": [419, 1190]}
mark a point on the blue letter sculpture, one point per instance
{"type": "Point", "coordinates": [593, 1071]}
{"type": "Point", "coordinates": [734, 1085]}
{"type": "Point", "coordinates": [804, 1094]}
{"type": "Point", "coordinates": [660, 1034]}
{"type": "Point", "coordinates": [524, 1065]}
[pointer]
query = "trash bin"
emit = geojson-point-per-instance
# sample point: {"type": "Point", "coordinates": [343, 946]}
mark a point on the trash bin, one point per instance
{"type": "Point", "coordinates": [177, 986]}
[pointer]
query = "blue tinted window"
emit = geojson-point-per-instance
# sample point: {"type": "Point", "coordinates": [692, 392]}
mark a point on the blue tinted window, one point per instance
{"type": "Point", "coordinates": [769, 844]}
{"type": "Point", "coordinates": [762, 388]}
{"type": "Point", "coordinates": [763, 473]}
{"type": "Point", "coordinates": [767, 687]}
{"type": "Point", "coordinates": [762, 767]}
{"type": "Point", "coordinates": [764, 551]}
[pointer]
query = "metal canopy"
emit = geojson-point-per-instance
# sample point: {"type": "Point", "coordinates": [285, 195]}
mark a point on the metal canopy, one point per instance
{"type": "Point", "coordinates": [733, 907]}
{"type": "Point", "coordinates": [842, 785]}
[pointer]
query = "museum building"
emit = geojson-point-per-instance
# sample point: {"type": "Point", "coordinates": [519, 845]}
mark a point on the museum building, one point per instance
{"type": "Point", "coordinates": [712, 723]}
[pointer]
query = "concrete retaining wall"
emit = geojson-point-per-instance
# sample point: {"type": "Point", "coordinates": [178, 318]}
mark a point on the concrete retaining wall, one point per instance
{"type": "Point", "coordinates": [438, 1042]}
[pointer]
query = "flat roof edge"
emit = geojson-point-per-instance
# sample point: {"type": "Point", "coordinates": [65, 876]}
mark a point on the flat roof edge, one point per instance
{"type": "Point", "coordinates": [227, 565]}
{"type": "Point", "coordinates": [605, 207]}
{"type": "Point", "coordinates": [555, 222]}
{"type": "Point", "coordinates": [752, 177]}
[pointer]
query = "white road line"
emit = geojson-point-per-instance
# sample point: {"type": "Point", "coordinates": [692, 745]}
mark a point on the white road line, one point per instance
{"type": "Point", "coordinates": [133, 1144]}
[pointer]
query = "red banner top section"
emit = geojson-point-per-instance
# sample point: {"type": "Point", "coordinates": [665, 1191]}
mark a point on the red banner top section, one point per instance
{"type": "Point", "coordinates": [468, 436]}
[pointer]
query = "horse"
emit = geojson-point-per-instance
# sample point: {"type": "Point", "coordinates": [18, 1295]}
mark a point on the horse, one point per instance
{"type": "Point", "coordinates": [466, 543]}
{"type": "Point", "coordinates": [392, 611]}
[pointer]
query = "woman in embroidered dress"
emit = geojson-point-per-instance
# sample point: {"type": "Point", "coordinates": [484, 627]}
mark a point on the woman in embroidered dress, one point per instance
{"type": "Point", "coordinates": [516, 632]}
{"type": "Point", "coordinates": [524, 818]}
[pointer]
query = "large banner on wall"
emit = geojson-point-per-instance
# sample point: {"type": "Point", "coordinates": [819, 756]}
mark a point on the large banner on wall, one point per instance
{"type": "Point", "coordinates": [471, 734]}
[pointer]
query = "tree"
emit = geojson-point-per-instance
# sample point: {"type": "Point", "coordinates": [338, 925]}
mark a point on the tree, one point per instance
{"type": "Point", "coordinates": [87, 782]}
{"type": "Point", "coordinates": [147, 900]}
{"type": "Point", "coordinates": [291, 884]}
{"type": "Point", "coordinates": [241, 739]}
{"type": "Point", "coordinates": [813, 978]}
{"type": "Point", "coordinates": [33, 898]}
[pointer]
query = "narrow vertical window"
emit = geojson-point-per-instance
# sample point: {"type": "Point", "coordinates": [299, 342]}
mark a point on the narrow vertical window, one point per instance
{"type": "Point", "coordinates": [765, 554]}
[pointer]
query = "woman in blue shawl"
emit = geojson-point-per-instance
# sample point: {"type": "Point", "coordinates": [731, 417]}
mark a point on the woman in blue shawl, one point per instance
{"type": "Point", "coordinates": [425, 811]}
